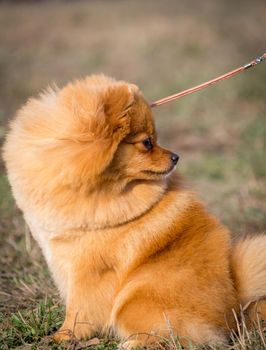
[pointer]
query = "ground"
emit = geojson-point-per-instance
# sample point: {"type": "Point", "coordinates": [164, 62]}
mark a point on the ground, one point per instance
{"type": "Point", "coordinates": [164, 47]}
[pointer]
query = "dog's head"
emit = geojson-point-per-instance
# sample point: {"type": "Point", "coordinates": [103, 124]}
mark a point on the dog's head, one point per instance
{"type": "Point", "coordinates": [110, 134]}
{"type": "Point", "coordinates": [92, 133]}
{"type": "Point", "coordinates": [90, 148]}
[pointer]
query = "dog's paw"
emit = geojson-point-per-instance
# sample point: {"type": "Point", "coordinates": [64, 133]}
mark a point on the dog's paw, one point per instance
{"type": "Point", "coordinates": [63, 335]}
{"type": "Point", "coordinates": [130, 344]}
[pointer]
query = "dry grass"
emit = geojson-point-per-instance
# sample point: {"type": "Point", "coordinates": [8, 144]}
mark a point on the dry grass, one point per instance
{"type": "Point", "coordinates": [163, 46]}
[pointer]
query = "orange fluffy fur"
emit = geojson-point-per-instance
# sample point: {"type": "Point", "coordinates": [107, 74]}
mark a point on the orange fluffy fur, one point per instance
{"type": "Point", "coordinates": [130, 248]}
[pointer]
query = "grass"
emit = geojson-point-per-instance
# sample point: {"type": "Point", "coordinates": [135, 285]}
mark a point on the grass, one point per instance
{"type": "Point", "coordinates": [32, 326]}
{"type": "Point", "coordinates": [164, 47]}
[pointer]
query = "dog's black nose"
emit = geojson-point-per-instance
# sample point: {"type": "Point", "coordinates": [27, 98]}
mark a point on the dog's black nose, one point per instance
{"type": "Point", "coordinates": [174, 158]}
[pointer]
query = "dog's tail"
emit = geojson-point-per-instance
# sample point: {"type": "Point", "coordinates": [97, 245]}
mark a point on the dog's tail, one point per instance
{"type": "Point", "coordinates": [249, 269]}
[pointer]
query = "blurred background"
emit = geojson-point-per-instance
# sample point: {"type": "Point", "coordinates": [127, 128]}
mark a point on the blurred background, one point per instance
{"type": "Point", "coordinates": [164, 47]}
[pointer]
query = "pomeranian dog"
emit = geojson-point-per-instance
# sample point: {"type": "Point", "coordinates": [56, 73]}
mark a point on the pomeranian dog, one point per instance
{"type": "Point", "coordinates": [129, 247]}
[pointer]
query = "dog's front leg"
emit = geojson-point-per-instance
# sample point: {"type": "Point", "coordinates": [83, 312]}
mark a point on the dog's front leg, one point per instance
{"type": "Point", "coordinates": [88, 303]}
{"type": "Point", "coordinates": [89, 287]}
{"type": "Point", "coordinates": [79, 321]}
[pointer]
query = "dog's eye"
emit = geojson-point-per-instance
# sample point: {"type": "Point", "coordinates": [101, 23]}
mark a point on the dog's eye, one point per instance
{"type": "Point", "coordinates": [148, 143]}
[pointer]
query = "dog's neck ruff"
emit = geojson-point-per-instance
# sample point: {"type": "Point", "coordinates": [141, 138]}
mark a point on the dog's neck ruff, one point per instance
{"type": "Point", "coordinates": [97, 211]}
{"type": "Point", "coordinates": [109, 211]}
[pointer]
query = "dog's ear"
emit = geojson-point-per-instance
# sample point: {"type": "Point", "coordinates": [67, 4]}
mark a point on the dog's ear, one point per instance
{"type": "Point", "coordinates": [100, 120]}
{"type": "Point", "coordinates": [98, 112]}
{"type": "Point", "coordinates": [118, 102]}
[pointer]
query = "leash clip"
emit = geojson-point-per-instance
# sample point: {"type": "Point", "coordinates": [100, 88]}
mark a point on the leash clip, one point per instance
{"type": "Point", "coordinates": [255, 62]}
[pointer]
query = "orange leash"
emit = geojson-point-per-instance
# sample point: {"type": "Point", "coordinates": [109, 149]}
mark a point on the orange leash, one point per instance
{"type": "Point", "coordinates": [208, 83]}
